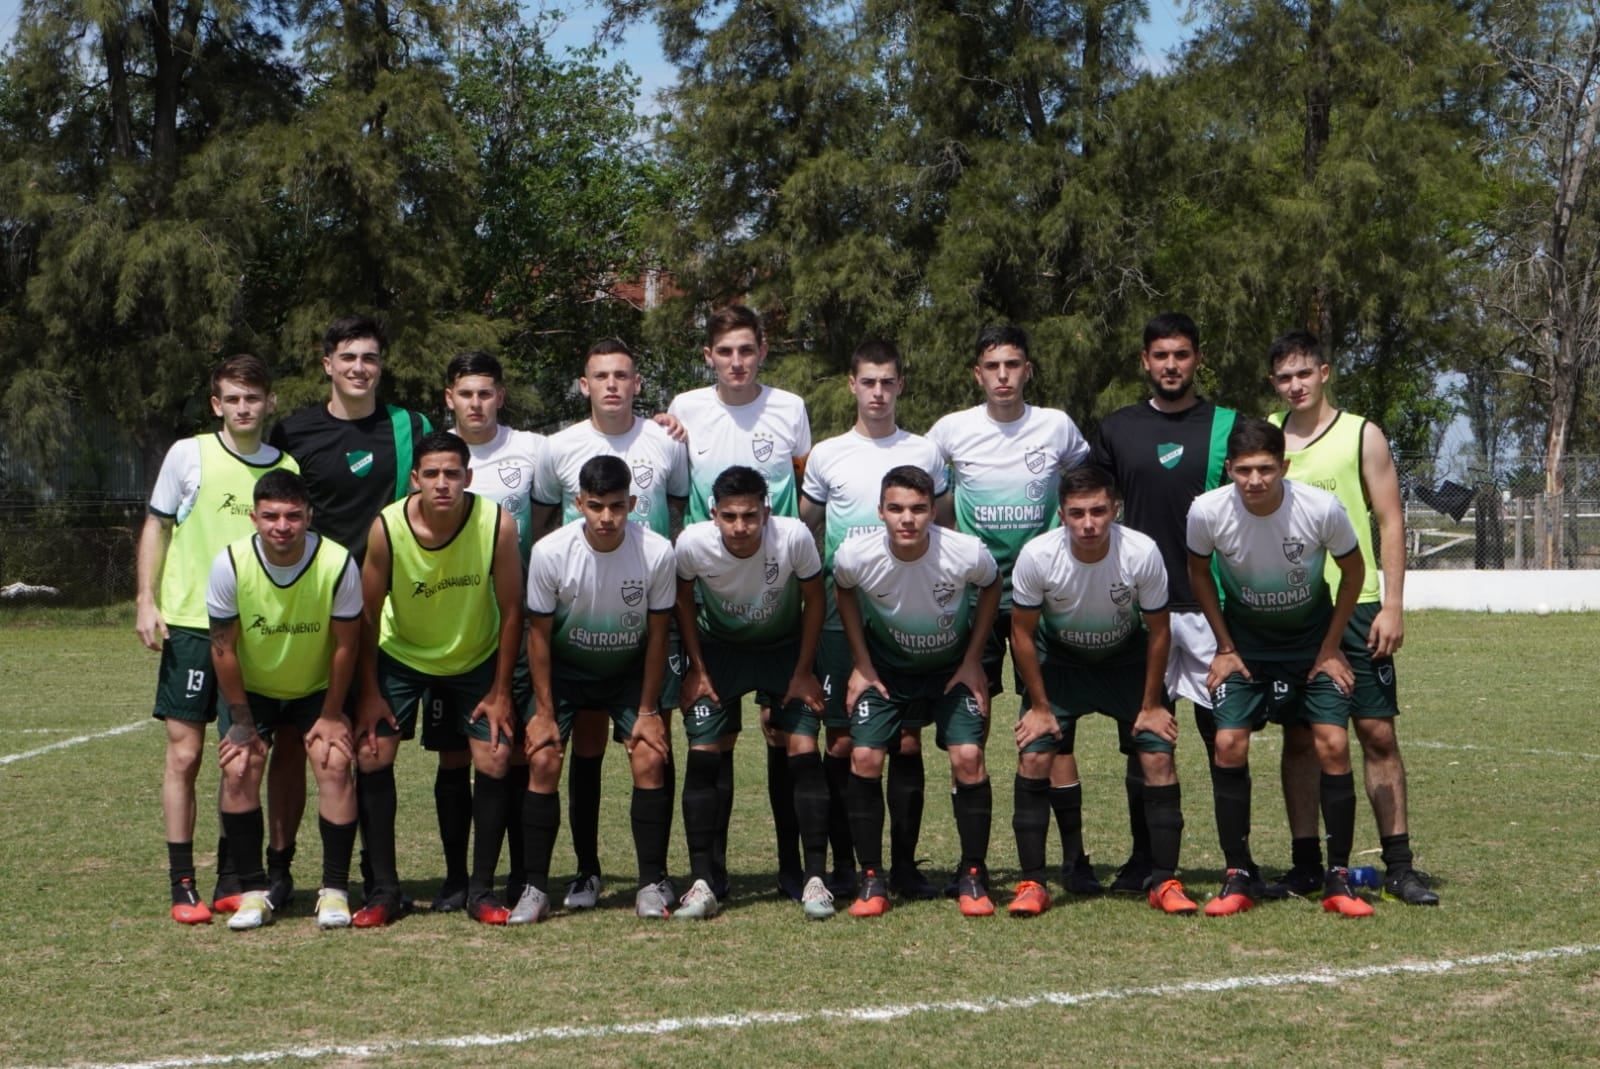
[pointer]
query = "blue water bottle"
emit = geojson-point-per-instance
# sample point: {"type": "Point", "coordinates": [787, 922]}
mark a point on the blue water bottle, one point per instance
{"type": "Point", "coordinates": [1364, 876]}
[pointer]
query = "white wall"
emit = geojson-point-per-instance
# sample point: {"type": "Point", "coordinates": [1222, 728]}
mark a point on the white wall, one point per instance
{"type": "Point", "coordinates": [1503, 591]}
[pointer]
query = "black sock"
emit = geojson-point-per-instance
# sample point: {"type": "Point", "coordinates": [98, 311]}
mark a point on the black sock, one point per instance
{"type": "Point", "coordinates": [837, 772]}
{"type": "Point", "coordinates": [1163, 808]}
{"type": "Point", "coordinates": [1396, 853]}
{"type": "Point", "coordinates": [719, 846]}
{"type": "Point", "coordinates": [866, 820]}
{"type": "Point", "coordinates": [1205, 722]}
{"type": "Point", "coordinates": [700, 811]}
{"type": "Point", "coordinates": [651, 815]}
{"type": "Point", "coordinates": [1230, 789]}
{"type": "Point", "coordinates": [974, 805]}
{"type": "Point", "coordinates": [515, 786]}
{"type": "Point", "coordinates": [906, 786]}
{"type": "Point", "coordinates": [1138, 819]}
{"type": "Point", "coordinates": [541, 820]}
{"type": "Point", "coordinates": [1306, 853]}
{"type": "Point", "coordinates": [245, 832]}
{"type": "Point", "coordinates": [180, 862]}
{"type": "Point", "coordinates": [811, 810]}
{"type": "Point", "coordinates": [488, 828]}
{"type": "Point", "coordinates": [378, 802]}
{"type": "Point", "coordinates": [452, 801]}
{"type": "Point", "coordinates": [1030, 821]}
{"type": "Point", "coordinates": [338, 844]}
{"type": "Point", "coordinates": [780, 797]}
{"type": "Point", "coordinates": [278, 861]}
{"type": "Point", "coordinates": [1339, 816]}
{"type": "Point", "coordinates": [227, 879]}
{"type": "Point", "coordinates": [583, 811]}
{"type": "Point", "coordinates": [1067, 804]}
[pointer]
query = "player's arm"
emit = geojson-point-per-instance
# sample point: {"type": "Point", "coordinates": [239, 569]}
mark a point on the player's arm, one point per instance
{"type": "Point", "coordinates": [542, 519]}
{"type": "Point", "coordinates": [696, 683]}
{"type": "Point", "coordinates": [813, 514]}
{"type": "Point", "coordinates": [1154, 716]}
{"type": "Point", "coordinates": [507, 568]}
{"type": "Point", "coordinates": [971, 671]}
{"type": "Point", "coordinates": [371, 708]}
{"type": "Point", "coordinates": [1226, 661]}
{"type": "Point", "coordinates": [800, 467]}
{"type": "Point", "coordinates": [803, 684]}
{"type": "Point", "coordinates": [149, 560]}
{"type": "Point", "coordinates": [862, 673]}
{"type": "Point", "coordinates": [1037, 720]}
{"type": "Point", "coordinates": [676, 508]}
{"type": "Point", "coordinates": [1383, 491]}
{"type": "Point", "coordinates": [944, 511]}
{"type": "Point", "coordinates": [242, 739]}
{"type": "Point", "coordinates": [1330, 658]}
{"type": "Point", "coordinates": [649, 726]}
{"type": "Point", "coordinates": [672, 425]}
{"type": "Point", "coordinates": [542, 729]}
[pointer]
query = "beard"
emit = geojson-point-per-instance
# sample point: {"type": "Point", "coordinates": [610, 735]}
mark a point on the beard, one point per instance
{"type": "Point", "coordinates": [1167, 393]}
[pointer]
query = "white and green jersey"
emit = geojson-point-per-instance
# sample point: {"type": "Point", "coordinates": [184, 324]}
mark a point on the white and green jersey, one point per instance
{"type": "Point", "coordinates": [755, 600]}
{"type": "Point", "coordinates": [503, 470]}
{"type": "Point", "coordinates": [599, 601]}
{"type": "Point", "coordinates": [768, 434]}
{"type": "Point", "coordinates": [1275, 597]}
{"type": "Point", "coordinates": [1004, 475]}
{"type": "Point", "coordinates": [917, 614]}
{"type": "Point", "coordinates": [1090, 613]}
{"type": "Point", "coordinates": [660, 468]}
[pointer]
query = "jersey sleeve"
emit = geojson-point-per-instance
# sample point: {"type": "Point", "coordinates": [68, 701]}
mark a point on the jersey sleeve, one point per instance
{"type": "Point", "coordinates": [814, 485]}
{"type": "Point", "coordinates": [686, 567]}
{"type": "Point", "coordinates": [1198, 536]}
{"type": "Point", "coordinates": [1150, 580]}
{"type": "Point", "coordinates": [984, 570]}
{"type": "Point", "coordinates": [844, 569]}
{"type": "Point", "coordinates": [939, 435]}
{"type": "Point", "coordinates": [803, 557]}
{"type": "Point", "coordinates": [800, 431]}
{"type": "Point", "coordinates": [1027, 581]}
{"type": "Point", "coordinates": [663, 589]}
{"type": "Point", "coordinates": [1072, 450]}
{"type": "Point", "coordinates": [222, 588]}
{"type": "Point", "coordinates": [940, 473]}
{"type": "Point", "coordinates": [1100, 452]}
{"type": "Point", "coordinates": [678, 471]}
{"type": "Point", "coordinates": [179, 479]}
{"type": "Point", "coordinates": [347, 603]}
{"type": "Point", "coordinates": [543, 580]}
{"type": "Point", "coordinates": [546, 481]}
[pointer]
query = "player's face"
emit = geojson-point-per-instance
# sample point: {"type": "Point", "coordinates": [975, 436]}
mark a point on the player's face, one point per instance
{"type": "Point", "coordinates": [354, 368]}
{"type": "Point", "coordinates": [740, 521]}
{"type": "Point", "coordinates": [1170, 364]}
{"type": "Point", "coordinates": [605, 514]}
{"type": "Point", "coordinates": [1002, 371]}
{"type": "Point", "coordinates": [475, 401]}
{"type": "Point", "coordinates": [241, 406]}
{"type": "Point", "coordinates": [282, 526]}
{"type": "Point", "coordinates": [875, 388]}
{"type": "Point", "coordinates": [610, 382]}
{"type": "Point", "coordinates": [1299, 380]}
{"type": "Point", "coordinates": [442, 480]}
{"type": "Point", "coordinates": [1088, 519]}
{"type": "Point", "coordinates": [907, 514]}
{"type": "Point", "coordinates": [1259, 480]}
{"type": "Point", "coordinates": [735, 357]}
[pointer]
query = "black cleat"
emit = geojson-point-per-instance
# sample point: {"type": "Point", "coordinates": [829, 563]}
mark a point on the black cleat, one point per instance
{"type": "Point", "coordinates": [1407, 886]}
{"type": "Point", "coordinates": [280, 890]}
{"type": "Point", "coordinates": [908, 882]}
{"type": "Point", "coordinates": [1079, 877]}
{"type": "Point", "coordinates": [452, 898]}
{"type": "Point", "coordinates": [1133, 878]}
{"type": "Point", "coordinates": [1298, 882]}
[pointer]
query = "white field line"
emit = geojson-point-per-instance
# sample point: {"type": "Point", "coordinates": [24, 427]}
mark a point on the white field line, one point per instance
{"type": "Point", "coordinates": [12, 758]}
{"type": "Point", "coordinates": [1425, 745]}
{"type": "Point", "coordinates": [726, 1022]}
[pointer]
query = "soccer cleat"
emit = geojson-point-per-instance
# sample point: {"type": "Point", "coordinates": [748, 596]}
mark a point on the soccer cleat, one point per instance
{"type": "Point", "coordinates": [909, 883]}
{"type": "Point", "coordinates": [333, 908]}
{"type": "Point", "coordinates": [971, 894]}
{"type": "Point", "coordinates": [452, 898]}
{"type": "Point", "coordinates": [532, 907]}
{"type": "Point", "coordinates": [791, 885]}
{"type": "Point", "coordinates": [816, 900]}
{"type": "Point", "coordinates": [1133, 878]}
{"type": "Point", "coordinates": [1029, 900]}
{"type": "Point", "coordinates": [1240, 892]}
{"type": "Point", "coordinates": [381, 909]}
{"type": "Point", "coordinates": [280, 891]}
{"type": "Point", "coordinates": [1080, 879]}
{"type": "Point", "coordinates": [485, 908]}
{"type": "Point", "coordinates": [255, 911]}
{"type": "Point", "coordinates": [842, 883]}
{"type": "Point", "coordinates": [1338, 897]}
{"type": "Point", "coordinates": [1169, 898]}
{"type": "Point", "coordinates": [1407, 886]}
{"type": "Point", "coordinates": [187, 908]}
{"type": "Point", "coordinates": [872, 900]}
{"type": "Point", "coordinates": [697, 904]}
{"type": "Point", "coordinates": [1299, 882]}
{"type": "Point", "coordinates": [225, 897]}
{"type": "Point", "coordinates": [584, 892]}
{"type": "Point", "coordinates": [654, 900]}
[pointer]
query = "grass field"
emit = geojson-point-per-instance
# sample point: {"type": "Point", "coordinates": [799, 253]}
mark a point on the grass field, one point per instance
{"type": "Point", "coordinates": [1500, 742]}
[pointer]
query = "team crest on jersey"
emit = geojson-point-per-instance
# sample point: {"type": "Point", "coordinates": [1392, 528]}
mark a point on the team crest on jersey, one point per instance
{"type": "Point", "coordinates": [675, 663]}
{"type": "Point", "coordinates": [511, 475]}
{"type": "Point", "coordinates": [1169, 453]}
{"type": "Point", "coordinates": [1035, 490]}
{"type": "Point", "coordinates": [771, 597]}
{"type": "Point", "coordinates": [632, 593]}
{"type": "Point", "coordinates": [632, 620]}
{"type": "Point", "coordinates": [771, 571]}
{"type": "Point", "coordinates": [1121, 594]}
{"type": "Point", "coordinates": [761, 445]}
{"type": "Point", "coordinates": [946, 621]}
{"type": "Point", "coordinates": [643, 476]}
{"type": "Point", "coordinates": [1035, 459]}
{"type": "Point", "coordinates": [1293, 550]}
{"type": "Point", "coordinates": [641, 507]}
{"type": "Point", "coordinates": [943, 592]}
{"type": "Point", "coordinates": [1298, 577]}
{"type": "Point", "coordinates": [360, 461]}
{"type": "Point", "coordinates": [1386, 674]}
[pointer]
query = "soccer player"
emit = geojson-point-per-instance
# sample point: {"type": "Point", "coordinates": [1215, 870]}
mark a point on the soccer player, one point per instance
{"type": "Point", "coordinates": [1089, 633]}
{"type": "Point", "coordinates": [739, 421]}
{"type": "Point", "coordinates": [918, 603]}
{"type": "Point", "coordinates": [1164, 453]}
{"type": "Point", "coordinates": [200, 503]}
{"type": "Point", "coordinates": [1278, 637]}
{"type": "Point", "coordinates": [356, 457]}
{"type": "Point", "coordinates": [750, 608]}
{"type": "Point", "coordinates": [440, 587]}
{"type": "Point", "coordinates": [839, 499]}
{"type": "Point", "coordinates": [600, 591]}
{"type": "Point", "coordinates": [290, 665]}
{"type": "Point", "coordinates": [660, 471]}
{"type": "Point", "coordinates": [1349, 456]}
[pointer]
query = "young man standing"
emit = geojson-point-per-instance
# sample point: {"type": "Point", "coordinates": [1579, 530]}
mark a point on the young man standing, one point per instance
{"type": "Point", "coordinates": [600, 591]}
{"type": "Point", "coordinates": [839, 499]}
{"type": "Point", "coordinates": [917, 603]}
{"type": "Point", "coordinates": [440, 586]}
{"type": "Point", "coordinates": [1278, 640]}
{"type": "Point", "coordinates": [1349, 456]}
{"type": "Point", "coordinates": [750, 609]}
{"type": "Point", "coordinates": [285, 609]}
{"type": "Point", "coordinates": [740, 421]}
{"type": "Point", "coordinates": [1089, 632]}
{"type": "Point", "coordinates": [1164, 453]}
{"type": "Point", "coordinates": [200, 503]}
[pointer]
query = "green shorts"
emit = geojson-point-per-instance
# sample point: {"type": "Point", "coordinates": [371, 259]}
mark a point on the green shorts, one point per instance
{"type": "Point", "coordinates": [913, 700]}
{"type": "Point", "coordinates": [833, 672]}
{"type": "Point", "coordinates": [1375, 696]}
{"type": "Point", "coordinates": [270, 714]}
{"type": "Point", "coordinates": [736, 671]}
{"type": "Point", "coordinates": [186, 686]}
{"type": "Point", "coordinates": [1077, 690]}
{"type": "Point", "coordinates": [617, 698]}
{"type": "Point", "coordinates": [450, 701]}
{"type": "Point", "coordinates": [1278, 692]}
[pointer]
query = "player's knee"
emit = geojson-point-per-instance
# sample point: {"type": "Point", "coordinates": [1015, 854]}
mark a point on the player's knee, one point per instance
{"type": "Point", "coordinates": [966, 764]}
{"type": "Point", "coordinates": [839, 744]}
{"type": "Point", "coordinates": [910, 742]}
{"type": "Point", "coordinates": [1378, 742]}
{"type": "Point", "coordinates": [449, 759]}
{"type": "Point", "coordinates": [801, 744]}
{"type": "Point", "coordinates": [1159, 769]}
{"type": "Point", "coordinates": [491, 762]}
{"type": "Point", "coordinates": [866, 762]}
{"type": "Point", "coordinates": [1033, 765]}
{"type": "Point", "coordinates": [1233, 748]}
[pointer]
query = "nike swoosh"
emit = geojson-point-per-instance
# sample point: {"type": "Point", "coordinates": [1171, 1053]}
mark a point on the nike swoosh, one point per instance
{"type": "Point", "coordinates": [880, 595]}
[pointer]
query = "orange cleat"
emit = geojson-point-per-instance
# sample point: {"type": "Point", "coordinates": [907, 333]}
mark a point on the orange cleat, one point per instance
{"type": "Point", "coordinates": [1029, 900]}
{"type": "Point", "coordinates": [187, 906]}
{"type": "Point", "coordinates": [1169, 898]}
{"type": "Point", "coordinates": [972, 895]}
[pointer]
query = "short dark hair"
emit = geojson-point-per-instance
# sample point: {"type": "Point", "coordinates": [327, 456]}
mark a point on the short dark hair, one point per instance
{"type": "Point", "coordinates": [1294, 343]}
{"type": "Point", "coordinates": [242, 367]}
{"type": "Point", "coordinates": [348, 328]}
{"type": "Point", "coordinates": [1251, 434]}
{"type": "Point", "coordinates": [281, 484]}
{"type": "Point", "coordinates": [1087, 480]}
{"type": "Point", "coordinates": [877, 351]}
{"type": "Point", "coordinates": [441, 442]}
{"type": "Point", "coordinates": [739, 481]}
{"type": "Point", "coordinates": [474, 362]}
{"type": "Point", "coordinates": [1171, 325]}
{"type": "Point", "coordinates": [608, 346]}
{"type": "Point", "coordinates": [997, 334]}
{"type": "Point", "coordinates": [604, 475]}
{"type": "Point", "coordinates": [733, 317]}
{"type": "Point", "coordinates": [906, 477]}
